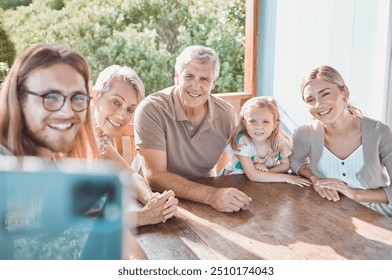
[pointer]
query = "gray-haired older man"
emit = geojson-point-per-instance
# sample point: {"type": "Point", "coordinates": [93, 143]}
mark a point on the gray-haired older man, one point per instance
{"type": "Point", "coordinates": [181, 132]}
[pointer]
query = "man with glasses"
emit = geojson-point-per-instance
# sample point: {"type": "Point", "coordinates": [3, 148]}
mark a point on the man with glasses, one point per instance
{"type": "Point", "coordinates": [43, 108]}
{"type": "Point", "coordinates": [44, 111]}
{"type": "Point", "coordinates": [53, 101]}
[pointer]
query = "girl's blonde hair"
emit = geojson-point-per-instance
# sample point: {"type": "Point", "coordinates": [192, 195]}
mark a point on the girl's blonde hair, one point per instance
{"type": "Point", "coordinates": [332, 76]}
{"type": "Point", "coordinates": [277, 134]}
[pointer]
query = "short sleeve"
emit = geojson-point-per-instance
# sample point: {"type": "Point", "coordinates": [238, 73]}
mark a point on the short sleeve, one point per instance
{"type": "Point", "coordinates": [245, 146]}
{"type": "Point", "coordinates": [149, 128]}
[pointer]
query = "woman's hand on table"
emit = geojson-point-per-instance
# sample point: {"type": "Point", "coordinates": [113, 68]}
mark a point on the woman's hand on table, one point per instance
{"type": "Point", "coordinates": [323, 188]}
{"type": "Point", "coordinates": [336, 185]}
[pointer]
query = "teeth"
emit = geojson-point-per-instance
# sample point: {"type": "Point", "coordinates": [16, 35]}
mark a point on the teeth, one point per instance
{"type": "Point", "coordinates": [324, 112]}
{"type": "Point", "coordinates": [194, 95]}
{"type": "Point", "coordinates": [114, 123]}
{"type": "Point", "coordinates": [60, 126]}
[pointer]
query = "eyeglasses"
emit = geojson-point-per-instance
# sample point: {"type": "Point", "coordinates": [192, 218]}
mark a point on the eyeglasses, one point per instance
{"type": "Point", "coordinates": [54, 101]}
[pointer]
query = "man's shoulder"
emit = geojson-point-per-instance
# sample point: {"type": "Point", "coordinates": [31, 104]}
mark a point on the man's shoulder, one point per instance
{"type": "Point", "coordinates": [157, 100]}
{"type": "Point", "coordinates": [220, 102]}
{"type": "Point", "coordinates": [222, 106]}
{"type": "Point", "coordinates": [161, 95]}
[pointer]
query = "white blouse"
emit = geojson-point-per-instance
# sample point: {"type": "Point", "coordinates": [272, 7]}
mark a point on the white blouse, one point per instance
{"type": "Point", "coordinates": [346, 170]}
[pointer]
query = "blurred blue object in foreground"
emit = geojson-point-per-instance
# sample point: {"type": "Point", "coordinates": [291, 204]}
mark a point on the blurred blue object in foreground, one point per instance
{"type": "Point", "coordinates": [69, 209]}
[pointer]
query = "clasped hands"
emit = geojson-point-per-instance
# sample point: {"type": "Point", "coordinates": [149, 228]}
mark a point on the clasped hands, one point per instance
{"type": "Point", "coordinates": [159, 208]}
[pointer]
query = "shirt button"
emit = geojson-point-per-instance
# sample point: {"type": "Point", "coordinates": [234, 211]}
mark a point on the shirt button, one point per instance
{"type": "Point", "coordinates": [344, 174]}
{"type": "Point", "coordinates": [342, 162]}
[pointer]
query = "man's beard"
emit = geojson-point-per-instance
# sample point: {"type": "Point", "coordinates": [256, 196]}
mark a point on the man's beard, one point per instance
{"type": "Point", "coordinates": [59, 146]}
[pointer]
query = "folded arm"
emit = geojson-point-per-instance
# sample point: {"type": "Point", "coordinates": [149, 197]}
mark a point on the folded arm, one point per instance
{"type": "Point", "coordinates": [266, 176]}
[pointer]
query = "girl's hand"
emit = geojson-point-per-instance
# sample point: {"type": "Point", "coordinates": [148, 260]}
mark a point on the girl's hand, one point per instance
{"type": "Point", "coordinates": [261, 167]}
{"type": "Point", "coordinates": [297, 180]}
{"type": "Point", "coordinates": [322, 187]}
{"type": "Point", "coordinates": [336, 185]}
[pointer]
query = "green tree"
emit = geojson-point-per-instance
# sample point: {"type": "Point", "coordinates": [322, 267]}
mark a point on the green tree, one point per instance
{"type": "Point", "coordinates": [56, 4]}
{"type": "Point", "coordinates": [144, 34]}
{"type": "Point", "coordinates": [7, 52]}
{"type": "Point", "coordinates": [3, 70]}
{"type": "Point", "coordinates": [7, 4]}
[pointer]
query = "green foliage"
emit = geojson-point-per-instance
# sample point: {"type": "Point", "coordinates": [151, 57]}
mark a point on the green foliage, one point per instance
{"type": "Point", "coordinates": [144, 34]}
{"type": "Point", "coordinates": [7, 52]}
{"type": "Point", "coordinates": [7, 4]}
{"type": "Point", "coordinates": [56, 4]}
{"type": "Point", "coordinates": [3, 70]}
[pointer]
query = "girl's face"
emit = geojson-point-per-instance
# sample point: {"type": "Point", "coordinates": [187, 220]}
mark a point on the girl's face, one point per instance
{"type": "Point", "coordinates": [325, 101]}
{"type": "Point", "coordinates": [259, 123]}
{"type": "Point", "coordinates": [114, 109]}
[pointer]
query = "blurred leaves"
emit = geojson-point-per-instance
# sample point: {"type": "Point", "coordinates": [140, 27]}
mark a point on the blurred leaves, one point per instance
{"type": "Point", "coordinates": [7, 52]}
{"type": "Point", "coordinates": [7, 4]}
{"type": "Point", "coordinates": [144, 34]}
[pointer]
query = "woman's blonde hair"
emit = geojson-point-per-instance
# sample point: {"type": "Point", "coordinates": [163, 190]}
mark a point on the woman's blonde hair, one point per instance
{"type": "Point", "coordinates": [332, 76]}
{"type": "Point", "coordinates": [277, 134]}
{"type": "Point", "coordinates": [12, 124]}
{"type": "Point", "coordinates": [124, 73]}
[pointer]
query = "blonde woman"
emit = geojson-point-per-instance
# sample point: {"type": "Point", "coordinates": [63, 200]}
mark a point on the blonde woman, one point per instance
{"type": "Point", "coordinates": [342, 151]}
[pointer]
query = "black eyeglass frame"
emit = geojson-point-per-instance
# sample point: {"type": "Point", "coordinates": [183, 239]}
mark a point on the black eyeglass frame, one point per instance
{"type": "Point", "coordinates": [43, 96]}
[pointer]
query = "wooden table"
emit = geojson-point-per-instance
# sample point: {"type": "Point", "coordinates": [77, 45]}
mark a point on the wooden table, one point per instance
{"type": "Point", "coordinates": [283, 222]}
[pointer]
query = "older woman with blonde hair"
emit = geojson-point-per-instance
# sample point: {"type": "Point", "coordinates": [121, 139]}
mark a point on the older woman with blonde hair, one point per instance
{"type": "Point", "coordinates": [116, 94]}
{"type": "Point", "coordinates": [342, 151]}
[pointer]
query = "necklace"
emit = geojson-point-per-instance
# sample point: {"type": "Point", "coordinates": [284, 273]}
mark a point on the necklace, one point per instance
{"type": "Point", "coordinates": [103, 140]}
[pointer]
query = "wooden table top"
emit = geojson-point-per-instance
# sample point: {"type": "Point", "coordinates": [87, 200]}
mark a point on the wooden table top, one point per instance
{"type": "Point", "coordinates": [283, 222]}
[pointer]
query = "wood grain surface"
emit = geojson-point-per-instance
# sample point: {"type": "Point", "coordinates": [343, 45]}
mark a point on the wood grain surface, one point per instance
{"type": "Point", "coordinates": [283, 222]}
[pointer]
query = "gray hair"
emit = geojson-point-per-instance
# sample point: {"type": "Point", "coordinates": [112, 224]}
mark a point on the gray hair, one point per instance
{"type": "Point", "coordinates": [125, 73]}
{"type": "Point", "coordinates": [198, 52]}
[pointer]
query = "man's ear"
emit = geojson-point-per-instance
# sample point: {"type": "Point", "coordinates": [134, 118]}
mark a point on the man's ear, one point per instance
{"type": "Point", "coordinates": [213, 85]}
{"type": "Point", "coordinates": [175, 77]}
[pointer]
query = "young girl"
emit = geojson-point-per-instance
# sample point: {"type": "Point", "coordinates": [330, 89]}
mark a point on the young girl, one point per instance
{"type": "Point", "coordinates": [259, 147]}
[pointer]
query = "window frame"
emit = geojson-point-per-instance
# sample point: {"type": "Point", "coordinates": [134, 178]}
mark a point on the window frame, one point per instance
{"type": "Point", "coordinates": [250, 57]}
